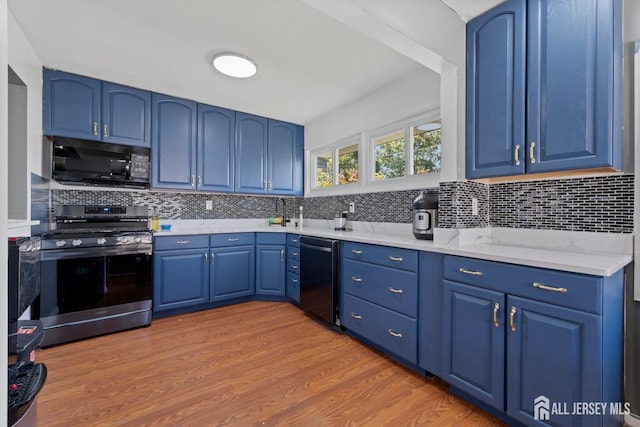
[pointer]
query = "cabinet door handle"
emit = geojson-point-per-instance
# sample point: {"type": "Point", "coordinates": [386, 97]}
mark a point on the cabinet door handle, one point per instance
{"type": "Point", "coordinates": [473, 273]}
{"type": "Point", "coordinates": [356, 279]}
{"type": "Point", "coordinates": [516, 154]}
{"type": "Point", "coordinates": [264, 185]}
{"type": "Point", "coordinates": [394, 334]}
{"type": "Point", "coordinates": [213, 258]}
{"type": "Point", "coordinates": [395, 290]}
{"type": "Point", "coordinates": [183, 242]}
{"type": "Point", "coordinates": [356, 316]}
{"type": "Point", "coordinates": [233, 239]}
{"type": "Point", "coordinates": [105, 130]}
{"type": "Point", "coordinates": [193, 180]}
{"type": "Point", "coordinates": [356, 252]}
{"type": "Point", "coordinates": [532, 154]}
{"type": "Point", "coordinates": [496, 308]}
{"type": "Point", "coordinates": [512, 320]}
{"type": "Point", "coordinates": [199, 181]}
{"type": "Point", "coordinates": [549, 288]}
{"type": "Point", "coordinates": [206, 258]}
{"type": "Point", "coordinates": [282, 255]}
{"type": "Point", "coordinates": [95, 128]}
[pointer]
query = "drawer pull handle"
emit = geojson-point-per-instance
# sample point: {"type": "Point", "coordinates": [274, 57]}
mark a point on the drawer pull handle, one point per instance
{"type": "Point", "coordinates": [234, 239]}
{"type": "Point", "coordinates": [496, 308]}
{"type": "Point", "coordinates": [294, 253]}
{"type": "Point", "coordinates": [395, 290]}
{"type": "Point", "coordinates": [516, 154]}
{"type": "Point", "coordinates": [183, 242]}
{"type": "Point", "coordinates": [294, 240]}
{"type": "Point", "coordinates": [394, 334]}
{"type": "Point", "coordinates": [394, 258]}
{"type": "Point", "coordinates": [356, 279]}
{"type": "Point", "coordinates": [294, 267]}
{"type": "Point", "coordinates": [549, 288]}
{"type": "Point", "coordinates": [294, 280]}
{"type": "Point", "coordinates": [356, 252]}
{"type": "Point", "coordinates": [512, 320]}
{"type": "Point", "coordinates": [473, 273]}
{"type": "Point", "coordinates": [356, 316]}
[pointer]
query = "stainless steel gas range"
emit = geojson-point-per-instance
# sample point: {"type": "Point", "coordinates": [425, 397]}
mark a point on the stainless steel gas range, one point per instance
{"type": "Point", "coordinates": [96, 272]}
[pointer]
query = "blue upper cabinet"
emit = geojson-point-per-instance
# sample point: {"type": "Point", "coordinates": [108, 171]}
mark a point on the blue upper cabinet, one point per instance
{"type": "Point", "coordinates": [126, 115]}
{"type": "Point", "coordinates": [173, 147]}
{"type": "Point", "coordinates": [81, 107]}
{"type": "Point", "coordinates": [269, 156]}
{"type": "Point", "coordinates": [251, 152]}
{"type": "Point", "coordinates": [71, 105]}
{"type": "Point", "coordinates": [285, 158]}
{"type": "Point", "coordinates": [531, 110]}
{"type": "Point", "coordinates": [216, 148]}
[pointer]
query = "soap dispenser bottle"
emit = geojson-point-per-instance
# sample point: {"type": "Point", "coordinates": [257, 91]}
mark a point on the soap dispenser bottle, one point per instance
{"type": "Point", "coordinates": [155, 219]}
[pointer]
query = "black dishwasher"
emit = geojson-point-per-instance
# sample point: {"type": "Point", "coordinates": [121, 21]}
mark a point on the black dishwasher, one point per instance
{"type": "Point", "coordinates": [319, 277]}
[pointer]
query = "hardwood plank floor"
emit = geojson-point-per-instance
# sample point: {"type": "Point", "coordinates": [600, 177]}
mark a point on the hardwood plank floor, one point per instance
{"type": "Point", "coordinates": [257, 363]}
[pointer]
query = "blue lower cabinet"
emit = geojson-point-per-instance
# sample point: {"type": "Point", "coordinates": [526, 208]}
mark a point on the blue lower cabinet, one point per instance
{"type": "Point", "coordinates": [392, 331]}
{"type": "Point", "coordinates": [270, 270]}
{"type": "Point", "coordinates": [232, 272]}
{"type": "Point", "coordinates": [181, 278]}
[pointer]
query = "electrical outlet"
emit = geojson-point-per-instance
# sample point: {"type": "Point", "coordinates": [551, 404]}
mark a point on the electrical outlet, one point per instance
{"type": "Point", "coordinates": [209, 205]}
{"type": "Point", "coordinates": [474, 206]}
{"type": "Point", "coordinates": [352, 207]}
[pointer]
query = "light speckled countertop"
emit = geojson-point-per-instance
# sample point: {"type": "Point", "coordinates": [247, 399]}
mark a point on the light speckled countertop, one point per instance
{"type": "Point", "coordinates": [600, 254]}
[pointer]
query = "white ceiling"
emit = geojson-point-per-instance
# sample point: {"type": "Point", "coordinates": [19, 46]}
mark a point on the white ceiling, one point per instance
{"type": "Point", "coordinates": [308, 62]}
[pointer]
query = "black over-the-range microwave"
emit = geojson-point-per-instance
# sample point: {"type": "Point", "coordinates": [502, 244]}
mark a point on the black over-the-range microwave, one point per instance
{"type": "Point", "coordinates": [77, 161]}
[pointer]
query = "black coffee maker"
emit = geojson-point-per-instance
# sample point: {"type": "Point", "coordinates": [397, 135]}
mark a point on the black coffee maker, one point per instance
{"type": "Point", "coordinates": [425, 214]}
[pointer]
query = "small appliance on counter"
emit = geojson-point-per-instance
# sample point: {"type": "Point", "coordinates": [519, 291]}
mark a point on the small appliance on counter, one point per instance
{"type": "Point", "coordinates": [425, 214]}
{"type": "Point", "coordinates": [340, 221]}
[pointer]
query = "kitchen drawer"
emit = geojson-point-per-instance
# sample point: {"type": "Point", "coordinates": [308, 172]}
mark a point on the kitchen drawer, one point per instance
{"type": "Point", "coordinates": [271, 238]}
{"type": "Point", "coordinates": [232, 239]}
{"type": "Point", "coordinates": [293, 286]}
{"type": "Point", "coordinates": [293, 240]}
{"type": "Point", "coordinates": [573, 290]}
{"type": "Point", "coordinates": [293, 253]}
{"type": "Point", "coordinates": [293, 266]}
{"type": "Point", "coordinates": [405, 259]}
{"type": "Point", "coordinates": [162, 243]}
{"type": "Point", "coordinates": [392, 288]}
{"type": "Point", "coordinates": [392, 331]}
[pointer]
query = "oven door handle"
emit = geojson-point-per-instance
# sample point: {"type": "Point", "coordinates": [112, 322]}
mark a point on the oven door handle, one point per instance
{"type": "Point", "coordinates": [93, 252]}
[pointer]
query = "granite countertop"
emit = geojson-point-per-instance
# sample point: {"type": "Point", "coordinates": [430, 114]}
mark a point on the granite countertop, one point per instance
{"type": "Point", "coordinates": [600, 254]}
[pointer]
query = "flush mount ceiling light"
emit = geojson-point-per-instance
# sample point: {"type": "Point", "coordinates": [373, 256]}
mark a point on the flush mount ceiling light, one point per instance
{"type": "Point", "coordinates": [234, 65]}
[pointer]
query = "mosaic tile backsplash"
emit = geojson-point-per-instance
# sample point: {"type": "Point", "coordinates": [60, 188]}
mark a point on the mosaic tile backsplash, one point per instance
{"type": "Point", "coordinates": [599, 204]}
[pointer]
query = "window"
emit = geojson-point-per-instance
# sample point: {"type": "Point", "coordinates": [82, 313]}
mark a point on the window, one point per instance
{"type": "Point", "coordinates": [324, 170]}
{"type": "Point", "coordinates": [345, 155]}
{"type": "Point", "coordinates": [348, 164]}
{"type": "Point", "coordinates": [389, 152]}
{"type": "Point", "coordinates": [426, 147]}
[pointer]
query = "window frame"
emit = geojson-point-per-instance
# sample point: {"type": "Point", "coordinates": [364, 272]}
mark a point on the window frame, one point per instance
{"type": "Point", "coordinates": [334, 148]}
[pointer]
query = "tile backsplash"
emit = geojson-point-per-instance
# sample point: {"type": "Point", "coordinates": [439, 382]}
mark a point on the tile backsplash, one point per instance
{"type": "Point", "coordinates": [600, 204]}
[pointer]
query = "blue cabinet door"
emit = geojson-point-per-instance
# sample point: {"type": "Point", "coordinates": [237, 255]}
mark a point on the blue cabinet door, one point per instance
{"type": "Point", "coordinates": [232, 272]}
{"type": "Point", "coordinates": [71, 105]}
{"type": "Point", "coordinates": [553, 352]}
{"type": "Point", "coordinates": [180, 278]}
{"type": "Point", "coordinates": [173, 147]}
{"type": "Point", "coordinates": [473, 342]}
{"type": "Point", "coordinates": [126, 115]}
{"type": "Point", "coordinates": [251, 154]}
{"type": "Point", "coordinates": [285, 158]}
{"type": "Point", "coordinates": [270, 270]}
{"type": "Point", "coordinates": [573, 84]}
{"type": "Point", "coordinates": [216, 148]}
{"type": "Point", "coordinates": [496, 91]}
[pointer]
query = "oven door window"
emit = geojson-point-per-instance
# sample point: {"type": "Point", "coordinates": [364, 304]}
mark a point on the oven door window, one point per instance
{"type": "Point", "coordinates": [128, 278]}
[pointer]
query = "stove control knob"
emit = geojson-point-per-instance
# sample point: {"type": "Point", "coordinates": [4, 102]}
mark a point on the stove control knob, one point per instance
{"type": "Point", "coordinates": [76, 242]}
{"type": "Point", "coordinates": [101, 241]}
{"type": "Point", "coordinates": [61, 243]}
{"type": "Point", "coordinates": [138, 239]}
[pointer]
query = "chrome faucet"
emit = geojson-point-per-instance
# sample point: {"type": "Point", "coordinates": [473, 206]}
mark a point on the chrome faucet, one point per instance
{"type": "Point", "coordinates": [284, 210]}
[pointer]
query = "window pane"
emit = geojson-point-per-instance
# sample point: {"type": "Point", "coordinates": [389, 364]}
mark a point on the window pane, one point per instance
{"type": "Point", "coordinates": [348, 164]}
{"type": "Point", "coordinates": [324, 170]}
{"type": "Point", "coordinates": [426, 147]}
{"type": "Point", "coordinates": [389, 156]}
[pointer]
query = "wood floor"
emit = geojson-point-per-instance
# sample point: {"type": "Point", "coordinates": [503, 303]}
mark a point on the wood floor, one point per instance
{"type": "Point", "coordinates": [251, 364]}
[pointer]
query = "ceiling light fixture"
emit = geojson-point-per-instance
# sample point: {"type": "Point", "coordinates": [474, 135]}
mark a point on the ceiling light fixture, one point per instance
{"type": "Point", "coordinates": [235, 65]}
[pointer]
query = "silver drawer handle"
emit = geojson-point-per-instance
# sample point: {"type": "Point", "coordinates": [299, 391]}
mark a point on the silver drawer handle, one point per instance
{"type": "Point", "coordinates": [474, 273]}
{"type": "Point", "coordinates": [294, 253]}
{"type": "Point", "coordinates": [549, 288]}
{"type": "Point", "coordinates": [394, 334]}
{"type": "Point", "coordinates": [294, 267]}
{"type": "Point", "coordinates": [235, 239]}
{"type": "Point", "coordinates": [398, 259]}
{"type": "Point", "coordinates": [395, 291]}
{"type": "Point", "coordinates": [356, 252]}
{"type": "Point", "coordinates": [294, 240]}
{"type": "Point", "coordinates": [183, 242]}
{"type": "Point", "coordinates": [356, 316]}
{"type": "Point", "coordinates": [356, 279]}
{"type": "Point", "coordinates": [294, 280]}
